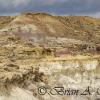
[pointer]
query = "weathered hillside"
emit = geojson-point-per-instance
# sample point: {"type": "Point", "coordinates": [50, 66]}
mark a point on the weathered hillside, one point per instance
{"type": "Point", "coordinates": [76, 27]}
{"type": "Point", "coordinates": [76, 33]}
{"type": "Point", "coordinates": [38, 49]}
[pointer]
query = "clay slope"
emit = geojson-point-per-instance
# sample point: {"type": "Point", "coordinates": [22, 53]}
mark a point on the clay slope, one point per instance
{"type": "Point", "coordinates": [40, 49]}
{"type": "Point", "coordinates": [74, 27]}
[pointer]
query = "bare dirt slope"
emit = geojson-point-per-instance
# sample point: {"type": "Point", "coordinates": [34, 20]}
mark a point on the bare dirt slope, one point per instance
{"type": "Point", "coordinates": [77, 27]}
{"type": "Point", "coordinates": [40, 49]}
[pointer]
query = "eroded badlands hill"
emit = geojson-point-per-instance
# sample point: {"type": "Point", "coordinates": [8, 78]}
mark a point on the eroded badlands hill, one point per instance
{"type": "Point", "coordinates": [40, 49]}
{"type": "Point", "coordinates": [75, 33]}
{"type": "Point", "coordinates": [76, 27]}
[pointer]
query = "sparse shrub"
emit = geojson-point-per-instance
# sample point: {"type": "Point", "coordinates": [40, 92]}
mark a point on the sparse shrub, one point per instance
{"type": "Point", "coordinates": [98, 48]}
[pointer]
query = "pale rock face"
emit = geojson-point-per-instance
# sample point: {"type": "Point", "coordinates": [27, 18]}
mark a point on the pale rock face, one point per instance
{"type": "Point", "coordinates": [49, 68]}
{"type": "Point", "coordinates": [71, 64]}
{"type": "Point", "coordinates": [19, 94]}
{"type": "Point", "coordinates": [69, 74]}
{"type": "Point", "coordinates": [90, 65]}
{"type": "Point", "coordinates": [66, 80]}
{"type": "Point", "coordinates": [27, 27]}
{"type": "Point", "coordinates": [50, 28]}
